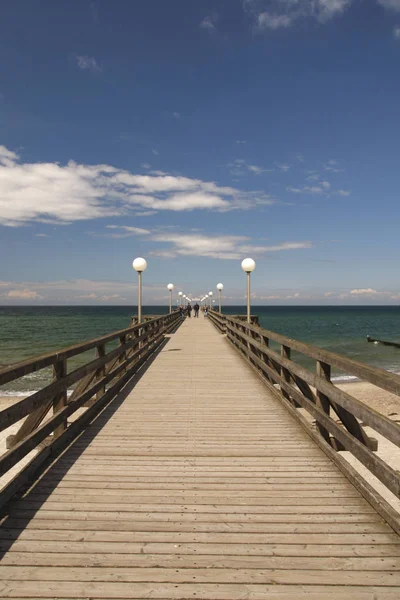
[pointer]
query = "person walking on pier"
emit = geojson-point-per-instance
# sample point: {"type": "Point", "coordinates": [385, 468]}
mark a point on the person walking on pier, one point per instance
{"type": "Point", "coordinates": [189, 311]}
{"type": "Point", "coordinates": [182, 312]}
{"type": "Point", "coordinates": [196, 310]}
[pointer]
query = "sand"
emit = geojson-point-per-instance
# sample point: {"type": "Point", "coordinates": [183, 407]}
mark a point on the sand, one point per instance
{"type": "Point", "coordinates": [383, 402]}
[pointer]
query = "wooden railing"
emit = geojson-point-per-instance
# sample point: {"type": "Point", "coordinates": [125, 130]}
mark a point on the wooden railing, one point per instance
{"type": "Point", "coordinates": [339, 417]}
{"type": "Point", "coordinates": [45, 413]}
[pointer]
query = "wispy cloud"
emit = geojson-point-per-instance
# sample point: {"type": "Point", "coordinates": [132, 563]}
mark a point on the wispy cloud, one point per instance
{"type": "Point", "coordinates": [241, 142]}
{"type": "Point", "coordinates": [240, 167]}
{"type": "Point", "coordinates": [282, 14]}
{"type": "Point", "coordinates": [55, 193]}
{"type": "Point", "coordinates": [393, 5]}
{"type": "Point", "coordinates": [226, 247]}
{"type": "Point", "coordinates": [209, 23]}
{"type": "Point", "coordinates": [24, 294]}
{"type": "Point", "coordinates": [396, 32]}
{"type": "Point", "coordinates": [88, 63]}
{"type": "Point", "coordinates": [126, 231]}
{"type": "Point", "coordinates": [333, 166]}
{"type": "Point", "coordinates": [176, 115]}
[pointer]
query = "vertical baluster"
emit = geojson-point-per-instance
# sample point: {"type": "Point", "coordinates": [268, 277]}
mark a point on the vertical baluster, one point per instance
{"type": "Point", "coordinates": [100, 373]}
{"type": "Point", "coordinates": [122, 358]}
{"type": "Point", "coordinates": [285, 353]}
{"type": "Point", "coordinates": [323, 370]}
{"type": "Point", "coordinates": [60, 371]}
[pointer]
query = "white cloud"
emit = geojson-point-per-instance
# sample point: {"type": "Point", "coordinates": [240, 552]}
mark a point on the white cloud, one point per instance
{"type": "Point", "coordinates": [7, 157]}
{"type": "Point", "coordinates": [88, 63]}
{"type": "Point", "coordinates": [285, 168]}
{"type": "Point", "coordinates": [55, 193]}
{"type": "Point", "coordinates": [145, 165]}
{"type": "Point", "coordinates": [367, 292]}
{"type": "Point", "coordinates": [41, 235]}
{"type": "Point", "coordinates": [343, 193]}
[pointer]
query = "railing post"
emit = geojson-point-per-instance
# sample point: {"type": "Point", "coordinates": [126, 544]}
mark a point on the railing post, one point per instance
{"type": "Point", "coordinates": [323, 370]}
{"type": "Point", "coordinates": [60, 401]}
{"type": "Point", "coordinates": [122, 341]}
{"type": "Point", "coordinates": [100, 353]}
{"type": "Point", "coordinates": [285, 353]}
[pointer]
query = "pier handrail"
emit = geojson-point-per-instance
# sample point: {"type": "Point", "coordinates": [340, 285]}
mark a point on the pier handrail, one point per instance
{"type": "Point", "coordinates": [96, 382]}
{"type": "Point", "coordinates": [299, 387]}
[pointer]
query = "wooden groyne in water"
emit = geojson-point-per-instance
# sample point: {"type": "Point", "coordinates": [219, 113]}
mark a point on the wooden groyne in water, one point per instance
{"type": "Point", "coordinates": [188, 474]}
{"type": "Point", "coordinates": [383, 342]}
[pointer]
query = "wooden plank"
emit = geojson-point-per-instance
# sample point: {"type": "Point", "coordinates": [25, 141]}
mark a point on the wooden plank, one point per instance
{"type": "Point", "coordinates": [133, 561]}
{"type": "Point", "coordinates": [201, 576]}
{"type": "Point", "coordinates": [195, 549]}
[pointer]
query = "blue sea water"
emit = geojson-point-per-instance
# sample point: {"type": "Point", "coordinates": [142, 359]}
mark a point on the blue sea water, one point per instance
{"type": "Point", "coordinates": [31, 331]}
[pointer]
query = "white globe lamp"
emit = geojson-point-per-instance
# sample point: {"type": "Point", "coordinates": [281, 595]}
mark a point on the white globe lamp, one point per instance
{"type": "Point", "coordinates": [170, 287]}
{"type": "Point", "coordinates": [220, 287]}
{"type": "Point", "coordinates": [248, 266]}
{"type": "Point", "coordinates": [139, 265]}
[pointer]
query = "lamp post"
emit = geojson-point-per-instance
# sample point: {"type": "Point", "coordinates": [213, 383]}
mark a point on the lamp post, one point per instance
{"type": "Point", "coordinates": [248, 265]}
{"type": "Point", "coordinates": [220, 287]}
{"type": "Point", "coordinates": [210, 295]}
{"type": "Point", "coordinates": [140, 265]}
{"type": "Point", "coordinates": [170, 286]}
{"type": "Point", "coordinates": [180, 294]}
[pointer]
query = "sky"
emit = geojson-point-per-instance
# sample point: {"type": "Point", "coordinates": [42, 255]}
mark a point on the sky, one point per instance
{"type": "Point", "coordinates": [197, 134]}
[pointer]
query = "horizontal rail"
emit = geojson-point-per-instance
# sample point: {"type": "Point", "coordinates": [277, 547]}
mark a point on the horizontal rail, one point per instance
{"type": "Point", "coordinates": [339, 417]}
{"type": "Point", "coordinates": [37, 363]}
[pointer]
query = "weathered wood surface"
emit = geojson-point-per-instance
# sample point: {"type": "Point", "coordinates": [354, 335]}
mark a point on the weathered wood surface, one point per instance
{"type": "Point", "coordinates": [198, 484]}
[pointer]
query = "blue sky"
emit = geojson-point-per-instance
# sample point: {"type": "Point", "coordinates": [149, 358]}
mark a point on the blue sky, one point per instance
{"type": "Point", "coordinates": [196, 134]}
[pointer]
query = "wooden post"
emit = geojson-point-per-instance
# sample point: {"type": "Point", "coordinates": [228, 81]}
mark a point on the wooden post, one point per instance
{"type": "Point", "coordinates": [100, 353]}
{"type": "Point", "coordinates": [59, 371]}
{"type": "Point", "coordinates": [323, 370]}
{"type": "Point", "coordinates": [122, 341]}
{"type": "Point", "coordinates": [285, 374]}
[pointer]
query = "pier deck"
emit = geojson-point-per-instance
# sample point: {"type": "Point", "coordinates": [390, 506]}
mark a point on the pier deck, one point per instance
{"type": "Point", "coordinates": [196, 483]}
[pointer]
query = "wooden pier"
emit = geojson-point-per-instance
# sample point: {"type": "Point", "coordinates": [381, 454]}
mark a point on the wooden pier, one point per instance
{"type": "Point", "coordinates": [196, 479]}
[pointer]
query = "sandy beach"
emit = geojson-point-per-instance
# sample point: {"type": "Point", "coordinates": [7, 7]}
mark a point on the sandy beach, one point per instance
{"type": "Point", "coordinates": [383, 402]}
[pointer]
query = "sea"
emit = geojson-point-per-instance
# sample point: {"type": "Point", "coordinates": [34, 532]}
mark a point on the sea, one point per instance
{"type": "Point", "coordinates": [30, 331]}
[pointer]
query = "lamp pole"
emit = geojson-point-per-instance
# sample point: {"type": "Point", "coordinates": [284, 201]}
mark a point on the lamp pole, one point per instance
{"type": "Point", "coordinates": [140, 265]}
{"type": "Point", "coordinates": [220, 287]}
{"type": "Point", "coordinates": [248, 266]}
{"type": "Point", "coordinates": [170, 286]}
{"type": "Point", "coordinates": [210, 295]}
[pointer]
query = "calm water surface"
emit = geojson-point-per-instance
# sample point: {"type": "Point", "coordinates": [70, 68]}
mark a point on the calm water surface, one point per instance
{"type": "Point", "coordinates": [30, 331]}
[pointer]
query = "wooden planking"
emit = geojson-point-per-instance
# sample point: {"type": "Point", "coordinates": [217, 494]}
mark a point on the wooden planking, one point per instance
{"type": "Point", "coordinates": [200, 485]}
